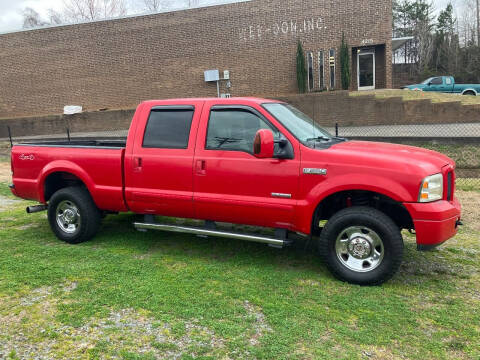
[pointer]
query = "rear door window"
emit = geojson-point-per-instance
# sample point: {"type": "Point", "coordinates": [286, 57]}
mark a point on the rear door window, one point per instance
{"type": "Point", "coordinates": [168, 128]}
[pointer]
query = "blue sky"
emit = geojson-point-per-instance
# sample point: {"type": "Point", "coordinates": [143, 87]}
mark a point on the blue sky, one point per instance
{"type": "Point", "coordinates": [11, 10]}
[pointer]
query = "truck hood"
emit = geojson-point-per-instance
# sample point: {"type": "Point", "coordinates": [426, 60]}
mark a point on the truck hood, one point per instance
{"type": "Point", "coordinates": [405, 158]}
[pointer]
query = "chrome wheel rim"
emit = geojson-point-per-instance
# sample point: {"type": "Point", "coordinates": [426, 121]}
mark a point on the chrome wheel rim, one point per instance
{"type": "Point", "coordinates": [68, 217]}
{"type": "Point", "coordinates": [359, 248]}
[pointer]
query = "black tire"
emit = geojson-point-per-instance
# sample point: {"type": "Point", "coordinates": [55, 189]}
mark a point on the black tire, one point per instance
{"type": "Point", "coordinates": [470, 93]}
{"type": "Point", "coordinates": [87, 216]}
{"type": "Point", "coordinates": [381, 226]}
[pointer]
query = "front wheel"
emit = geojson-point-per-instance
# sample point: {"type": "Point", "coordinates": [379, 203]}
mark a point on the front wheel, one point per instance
{"type": "Point", "coordinates": [73, 216]}
{"type": "Point", "coordinates": [361, 245]}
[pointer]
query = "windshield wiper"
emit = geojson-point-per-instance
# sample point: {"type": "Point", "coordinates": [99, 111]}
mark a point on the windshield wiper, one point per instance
{"type": "Point", "coordinates": [225, 140]}
{"type": "Point", "coordinates": [319, 138]}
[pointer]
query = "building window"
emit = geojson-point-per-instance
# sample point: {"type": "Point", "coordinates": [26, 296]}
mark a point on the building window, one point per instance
{"type": "Point", "coordinates": [321, 70]}
{"type": "Point", "coordinates": [332, 68]}
{"type": "Point", "coordinates": [310, 70]}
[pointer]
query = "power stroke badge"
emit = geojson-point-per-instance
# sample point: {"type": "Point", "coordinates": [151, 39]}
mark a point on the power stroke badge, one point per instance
{"type": "Point", "coordinates": [314, 171]}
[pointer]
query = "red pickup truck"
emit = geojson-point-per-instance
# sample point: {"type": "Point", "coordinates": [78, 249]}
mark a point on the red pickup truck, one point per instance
{"type": "Point", "coordinates": [248, 161]}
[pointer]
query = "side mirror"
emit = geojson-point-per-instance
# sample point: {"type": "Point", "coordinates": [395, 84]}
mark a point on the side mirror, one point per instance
{"type": "Point", "coordinates": [264, 144]}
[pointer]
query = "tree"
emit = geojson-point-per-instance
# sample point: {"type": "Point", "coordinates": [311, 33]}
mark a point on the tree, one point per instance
{"type": "Point", "coordinates": [87, 10]}
{"type": "Point", "coordinates": [32, 19]}
{"type": "Point", "coordinates": [345, 63]}
{"type": "Point", "coordinates": [155, 5]}
{"type": "Point", "coordinates": [301, 69]}
{"type": "Point", "coordinates": [158, 5]}
{"type": "Point", "coordinates": [75, 11]}
{"type": "Point", "coordinates": [478, 22]}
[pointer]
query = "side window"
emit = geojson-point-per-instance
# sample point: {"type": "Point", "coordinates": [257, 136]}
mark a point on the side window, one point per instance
{"type": "Point", "coordinates": [234, 129]}
{"type": "Point", "coordinates": [448, 81]}
{"type": "Point", "coordinates": [168, 128]}
{"type": "Point", "coordinates": [436, 81]}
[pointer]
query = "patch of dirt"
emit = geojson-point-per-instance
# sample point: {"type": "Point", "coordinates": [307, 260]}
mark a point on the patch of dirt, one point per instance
{"type": "Point", "coordinates": [470, 201]}
{"type": "Point", "coordinates": [5, 203]}
{"type": "Point", "coordinates": [260, 326]}
{"type": "Point", "coordinates": [5, 172]}
{"type": "Point", "coordinates": [29, 329]}
{"type": "Point", "coordinates": [25, 227]}
{"type": "Point", "coordinates": [36, 296]}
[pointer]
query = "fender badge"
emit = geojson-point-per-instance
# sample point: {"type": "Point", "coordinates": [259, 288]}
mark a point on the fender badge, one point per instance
{"type": "Point", "coordinates": [314, 171]}
{"type": "Point", "coordinates": [26, 157]}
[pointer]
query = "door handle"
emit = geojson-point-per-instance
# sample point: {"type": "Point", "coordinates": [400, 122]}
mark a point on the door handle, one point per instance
{"type": "Point", "coordinates": [201, 167]}
{"type": "Point", "coordinates": [137, 164]}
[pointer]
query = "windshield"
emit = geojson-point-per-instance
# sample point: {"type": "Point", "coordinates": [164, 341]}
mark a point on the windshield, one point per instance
{"type": "Point", "coordinates": [427, 81]}
{"type": "Point", "coordinates": [300, 125]}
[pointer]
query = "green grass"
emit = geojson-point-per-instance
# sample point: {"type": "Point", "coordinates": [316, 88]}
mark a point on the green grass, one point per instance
{"type": "Point", "coordinates": [6, 192]}
{"type": "Point", "coordinates": [468, 184]}
{"type": "Point", "coordinates": [136, 295]}
{"type": "Point", "coordinates": [466, 156]}
{"type": "Point", "coordinates": [419, 95]}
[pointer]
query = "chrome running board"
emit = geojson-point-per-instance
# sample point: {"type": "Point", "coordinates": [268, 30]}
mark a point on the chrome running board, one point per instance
{"type": "Point", "coordinates": [207, 232]}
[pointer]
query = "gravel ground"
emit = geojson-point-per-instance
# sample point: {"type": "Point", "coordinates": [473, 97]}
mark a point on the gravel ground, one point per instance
{"type": "Point", "coordinates": [470, 201]}
{"type": "Point", "coordinates": [125, 328]}
{"type": "Point", "coordinates": [5, 172]}
{"type": "Point", "coordinates": [5, 203]}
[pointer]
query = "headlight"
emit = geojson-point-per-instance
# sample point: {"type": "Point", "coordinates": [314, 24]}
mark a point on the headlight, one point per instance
{"type": "Point", "coordinates": [431, 189]}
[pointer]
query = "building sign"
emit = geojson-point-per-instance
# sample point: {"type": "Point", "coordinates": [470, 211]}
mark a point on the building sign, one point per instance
{"type": "Point", "coordinates": [293, 27]}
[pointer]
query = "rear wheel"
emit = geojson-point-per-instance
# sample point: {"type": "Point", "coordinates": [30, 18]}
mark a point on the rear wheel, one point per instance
{"type": "Point", "coordinates": [361, 245]}
{"type": "Point", "coordinates": [73, 216]}
{"type": "Point", "coordinates": [471, 93]}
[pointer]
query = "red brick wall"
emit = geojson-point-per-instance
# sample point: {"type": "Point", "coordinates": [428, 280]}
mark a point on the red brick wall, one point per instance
{"type": "Point", "coordinates": [118, 63]}
{"type": "Point", "coordinates": [327, 108]}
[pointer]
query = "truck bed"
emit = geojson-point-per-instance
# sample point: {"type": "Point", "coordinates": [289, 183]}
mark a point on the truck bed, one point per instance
{"type": "Point", "coordinates": [80, 143]}
{"type": "Point", "coordinates": [40, 167]}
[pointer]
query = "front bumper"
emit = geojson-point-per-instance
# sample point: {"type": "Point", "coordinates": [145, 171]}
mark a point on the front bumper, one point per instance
{"type": "Point", "coordinates": [434, 222]}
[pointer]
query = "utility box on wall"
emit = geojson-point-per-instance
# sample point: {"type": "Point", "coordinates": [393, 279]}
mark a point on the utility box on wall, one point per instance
{"type": "Point", "coordinates": [212, 75]}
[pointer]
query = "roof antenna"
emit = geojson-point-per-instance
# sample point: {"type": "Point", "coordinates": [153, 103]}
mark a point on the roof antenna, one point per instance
{"type": "Point", "coordinates": [313, 122]}
{"type": "Point", "coordinates": [10, 136]}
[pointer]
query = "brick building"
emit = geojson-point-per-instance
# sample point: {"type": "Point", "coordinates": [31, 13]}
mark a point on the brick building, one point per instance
{"type": "Point", "coordinates": [118, 63]}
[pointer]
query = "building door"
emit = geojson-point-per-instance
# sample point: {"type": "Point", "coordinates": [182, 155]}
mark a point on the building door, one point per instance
{"type": "Point", "coordinates": [366, 69]}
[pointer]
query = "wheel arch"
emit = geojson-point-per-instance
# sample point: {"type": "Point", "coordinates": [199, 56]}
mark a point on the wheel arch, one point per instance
{"type": "Point", "coordinates": [61, 174]}
{"type": "Point", "coordinates": [472, 90]}
{"type": "Point", "coordinates": [338, 200]}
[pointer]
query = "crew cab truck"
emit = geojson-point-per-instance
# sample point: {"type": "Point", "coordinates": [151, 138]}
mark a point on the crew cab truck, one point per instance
{"type": "Point", "coordinates": [445, 84]}
{"type": "Point", "coordinates": [248, 161]}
